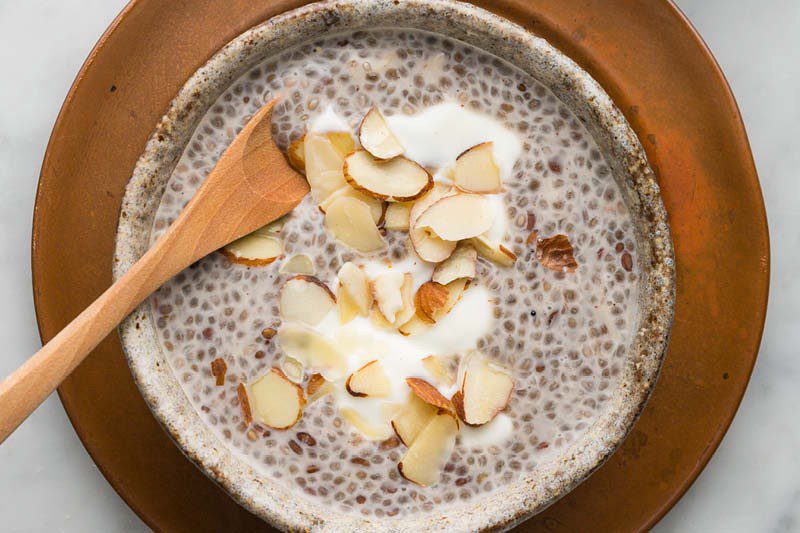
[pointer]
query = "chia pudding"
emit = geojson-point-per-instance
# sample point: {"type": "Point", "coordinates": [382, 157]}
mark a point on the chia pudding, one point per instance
{"type": "Point", "coordinates": [562, 333]}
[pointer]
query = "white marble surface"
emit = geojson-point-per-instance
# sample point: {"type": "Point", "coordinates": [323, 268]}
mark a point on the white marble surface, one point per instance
{"type": "Point", "coordinates": [48, 482]}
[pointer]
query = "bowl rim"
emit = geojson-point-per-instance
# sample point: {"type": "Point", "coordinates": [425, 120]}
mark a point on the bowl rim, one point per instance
{"type": "Point", "coordinates": [572, 85]}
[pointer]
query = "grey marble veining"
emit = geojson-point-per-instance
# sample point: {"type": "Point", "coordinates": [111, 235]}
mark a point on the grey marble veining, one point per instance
{"type": "Point", "coordinates": [48, 482]}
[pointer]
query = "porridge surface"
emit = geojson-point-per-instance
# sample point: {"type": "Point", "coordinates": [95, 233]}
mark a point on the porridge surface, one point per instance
{"type": "Point", "coordinates": [563, 335]}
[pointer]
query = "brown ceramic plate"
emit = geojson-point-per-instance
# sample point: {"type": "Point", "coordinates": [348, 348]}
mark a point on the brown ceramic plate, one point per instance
{"type": "Point", "coordinates": [656, 69]}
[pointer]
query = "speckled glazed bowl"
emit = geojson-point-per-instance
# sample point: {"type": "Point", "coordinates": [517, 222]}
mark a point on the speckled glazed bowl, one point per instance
{"type": "Point", "coordinates": [512, 503]}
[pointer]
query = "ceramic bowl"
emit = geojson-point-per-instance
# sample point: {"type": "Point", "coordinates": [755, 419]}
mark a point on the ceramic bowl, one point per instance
{"type": "Point", "coordinates": [512, 503]}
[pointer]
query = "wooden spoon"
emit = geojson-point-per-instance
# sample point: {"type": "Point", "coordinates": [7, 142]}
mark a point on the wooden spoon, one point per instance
{"type": "Point", "coordinates": [251, 185]}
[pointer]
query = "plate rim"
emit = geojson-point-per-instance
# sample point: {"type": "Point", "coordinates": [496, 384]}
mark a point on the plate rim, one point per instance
{"type": "Point", "coordinates": [45, 179]}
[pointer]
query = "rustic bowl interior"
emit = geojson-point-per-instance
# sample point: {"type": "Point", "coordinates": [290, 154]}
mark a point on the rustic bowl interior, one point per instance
{"type": "Point", "coordinates": [510, 42]}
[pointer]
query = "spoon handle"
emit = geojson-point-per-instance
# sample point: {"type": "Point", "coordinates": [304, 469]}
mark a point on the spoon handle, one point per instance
{"type": "Point", "coordinates": [251, 185]}
{"type": "Point", "coordinates": [29, 385]}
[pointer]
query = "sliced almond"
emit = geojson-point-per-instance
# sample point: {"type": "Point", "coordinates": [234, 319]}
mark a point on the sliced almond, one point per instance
{"type": "Point", "coordinates": [430, 299]}
{"type": "Point", "coordinates": [365, 427]}
{"type": "Point", "coordinates": [420, 322]}
{"type": "Point", "coordinates": [255, 249]}
{"type": "Point", "coordinates": [369, 380]}
{"type": "Point", "coordinates": [277, 402]}
{"type": "Point", "coordinates": [425, 458]}
{"type": "Point", "coordinates": [375, 205]}
{"type": "Point", "coordinates": [459, 216]}
{"type": "Point", "coordinates": [441, 370]}
{"type": "Point", "coordinates": [492, 251]}
{"type": "Point", "coordinates": [273, 228]}
{"type": "Point", "coordinates": [306, 299]}
{"type": "Point", "coordinates": [394, 296]}
{"type": "Point", "coordinates": [455, 290]}
{"type": "Point", "coordinates": [298, 264]}
{"type": "Point", "coordinates": [244, 404]}
{"type": "Point", "coordinates": [350, 220]}
{"type": "Point", "coordinates": [412, 419]}
{"type": "Point", "coordinates": [342, 141]}
{"type": "Point", "coordinates": [476, 170]}
{"type": "Point", "coordinates": [461, 264]}
{"type": "Point", "coordinates": [396, 180]}
{"type": "Point", "coordinates": [312, 350]}
{"type": "Point", "coordinates": [376, 137]}
{"type": "Point", "coordinates": [415, 326]}
{"type": "Point", "coordinates": [429, 394]}
{"type": "Point", "coordinates": [317, 387]}
{"type": "Point", "coordinates": [324, 166]}
{"type": "Point", "coordinates": [348, 309]}
{"type": "Point", "coordinates": [387, 290]}
{"type": "Point", "coordinates": [428, 246]}
{"type": "Point", "coordinates": [407, 293]}
{"type": "Point", "coordinates": [355, 283]}
{"type": "Point", "coordinates": [293, 369]}
{"type": "Point", "coordinates": [397, 216]}
{"type": "Point", "coordinates": [556, 253]}
{"type": "Point", "coordinates": [378, 320]}
{"type": "Point", "coordinates": [218, 369]}
{"type": "Point", "coordinates": [485, 391]}
{"type": "Point", "coordinates": [296, 154]}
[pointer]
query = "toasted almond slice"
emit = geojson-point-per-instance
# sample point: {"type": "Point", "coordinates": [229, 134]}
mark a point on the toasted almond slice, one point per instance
{"type": "Point", "coordinates": [317, 387]}
{"type": "Point", "coordinates": [485, 391]}
{"type": "Point", "coordinates": [387, 290]}
{"type": "Point", "coordinates": [407, 293]}
{"type": "Point", "coordinates": [298, 264]}
{"type": "Point", "coordinates": [255, 249]}
{"type": "Point", "coordinates": [365, 427]}
{"type": "Point", "coordinates": [428, 246]}
{"type": "Point", "coordinates": [460, 264]}
{"type": "Point", "coordinates": [556, 253]}
{"type": "Point", "coordinates": [369, 380]}
{"type": "Point", "coordinates": [277, 402]}
{"type": "Point", "coordinates": [394, 295]}
{"type": "Point", "coordinates": [306, 299]}
{"type": "Point", "coordinates": [396, 180]}
{"type": "Point", "coordinates": [430, 299]}
{"type": "Point", "coordinates": [375, 205]}
{"type": "Point", "coordinates": [244, 404]}
{"type": "Point", "coordinates": [324, 166]}
{"type": "Point", "coordinates": [350, 221]}
{"type": "Point", "coordinates": [348, 309]}
{"type": "Point", "coordinates": [378, 320]}
{"type": "Point", "coordinates": [412, 418]}
{"type": "Point", "coordinates": [426, 457]}
{"type": "Point", "coordinates": [293, 369]}
{"type": "Point", "coordinates": [397, 216]}
{"type": "Point", "coordinates": [476, 170]}
{"type": "Point", "coordinates": [459, 216]}
{"type": "Point", "coordinates": [376, 137]}
{"type": "Point", "coordinates": [296, 154]}
{"type": "Point", "coordinates": [273, 229]}
{"type": "Point", "coordinates": [218, 369]}
{"type": "Point", "coordinates": [429, 394]}
{"type": "Point", "coordinates": [455, 290]}
{"type": "Point", "coordinates": [342, 141]}
{"type": "Point", "coordinates": [415, 326]}
{"type": "Point", "coordinates": [355, 283]}
{"type": "Point", "coordinates": [441, 370]}
{"type": "Point", "coordinates": [312, 350]}
{"type": "Point", "coordinates": [420, 323]}
{"type": "Point", "coordinates": [492, 251]}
